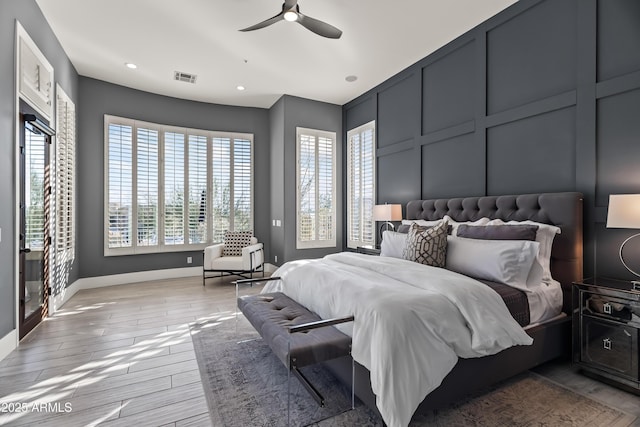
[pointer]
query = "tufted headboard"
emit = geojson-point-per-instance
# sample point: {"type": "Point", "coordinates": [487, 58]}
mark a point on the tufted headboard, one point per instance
{"type": "Point", "coordinates": [560, 209]}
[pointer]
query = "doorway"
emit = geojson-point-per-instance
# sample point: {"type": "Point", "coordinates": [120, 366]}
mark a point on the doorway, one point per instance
{"type": "Point", "coordinates": [34, 240]}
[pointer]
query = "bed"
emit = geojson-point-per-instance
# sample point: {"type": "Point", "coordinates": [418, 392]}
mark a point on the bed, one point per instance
{"type": "Point", "coordinates": [548, 340]}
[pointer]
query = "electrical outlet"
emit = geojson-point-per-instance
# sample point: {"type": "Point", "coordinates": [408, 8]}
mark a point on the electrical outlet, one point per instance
{"type": "Point", "coordinates": [189, 260]}
{"type": "Point", "coordinates": [276, 258]}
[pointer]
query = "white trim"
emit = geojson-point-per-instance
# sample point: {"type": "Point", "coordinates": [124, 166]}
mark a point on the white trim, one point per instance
{"type": "Point", "coordinates": [8, 343]}
{"type": "Point", "coordinates": [16, 169]}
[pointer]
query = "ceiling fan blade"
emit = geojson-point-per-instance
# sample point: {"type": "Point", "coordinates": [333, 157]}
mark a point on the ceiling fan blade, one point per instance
{"type": "Point", "coordinates": [265, 23]}
{"type": "Point", "coordinates": [320, 28]}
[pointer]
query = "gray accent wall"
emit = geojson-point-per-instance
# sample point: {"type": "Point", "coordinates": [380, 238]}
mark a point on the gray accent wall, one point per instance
{"type": "Point", "coordinates": [31, 18]}
{"type": "Point", "coordinates": [288, 113]}
{"type": "Point", "coordinates": [99, 98]}
{"type": "Point", "coordinates": [542, 97]}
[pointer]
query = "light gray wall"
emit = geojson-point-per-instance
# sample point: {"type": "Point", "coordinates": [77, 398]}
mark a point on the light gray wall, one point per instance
{"type": "Point", "coordinates": [542, 97]}
{"type": "Point", "coordinates": [99, 98]}
{"type": "Point", "coordinates": [31, 18]}
{"type": "Point", "coordinates": [289, 113]}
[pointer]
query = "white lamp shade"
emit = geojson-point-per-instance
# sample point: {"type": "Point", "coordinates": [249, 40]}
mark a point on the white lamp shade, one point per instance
{"type": "Point", "coordinates": [624, 211]}
{"type": "Point", "coordinates": [387, 212]}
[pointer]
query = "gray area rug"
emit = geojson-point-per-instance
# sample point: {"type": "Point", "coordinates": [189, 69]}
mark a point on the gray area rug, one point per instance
{"type": "Point", "coordinates": [246, 385]}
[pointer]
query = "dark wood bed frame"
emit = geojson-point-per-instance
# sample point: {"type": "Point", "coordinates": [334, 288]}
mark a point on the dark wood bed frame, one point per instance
{"type": "Point", "coordinates": [550, 340]}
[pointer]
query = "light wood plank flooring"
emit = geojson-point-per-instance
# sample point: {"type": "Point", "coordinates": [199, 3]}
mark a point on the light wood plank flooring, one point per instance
{"type": "Point", "coordinates": [123, 356]}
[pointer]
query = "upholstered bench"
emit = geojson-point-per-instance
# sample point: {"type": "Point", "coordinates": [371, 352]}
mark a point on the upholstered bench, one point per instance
{"type": "Point", "coordinates": [297, 336]}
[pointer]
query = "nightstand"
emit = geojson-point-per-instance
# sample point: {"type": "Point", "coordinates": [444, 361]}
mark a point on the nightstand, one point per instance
{"type": "Point", "coordinates": [368, 250]}
{"type": "Point", "coordinates": [606, 325]}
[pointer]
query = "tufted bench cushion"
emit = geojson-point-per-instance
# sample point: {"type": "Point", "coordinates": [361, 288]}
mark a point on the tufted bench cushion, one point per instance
{"type": "Point", "coordinates": [272, 314]}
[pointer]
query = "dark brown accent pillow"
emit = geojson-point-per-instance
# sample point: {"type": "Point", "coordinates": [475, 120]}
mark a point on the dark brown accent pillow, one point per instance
{"type": "Point", "coordinates": [427, 245]}
{"type": "Point", "coordinates": [498, 232]}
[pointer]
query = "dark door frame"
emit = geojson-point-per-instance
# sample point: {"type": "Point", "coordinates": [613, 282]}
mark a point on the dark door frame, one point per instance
{"type": "Point", "coordinates": [29, 118]}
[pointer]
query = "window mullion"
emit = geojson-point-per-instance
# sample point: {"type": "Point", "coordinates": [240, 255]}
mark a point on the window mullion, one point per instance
{"type": "Point", "coordinates": [134, 186]}
{"type": "Point", "coordinates": [160, 188]}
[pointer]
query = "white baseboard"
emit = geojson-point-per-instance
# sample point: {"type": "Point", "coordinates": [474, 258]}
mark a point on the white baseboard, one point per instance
{"type": "Point", "coordinates": [140, 276]}
{"type": "Point", "coordinates": [59, 300]}
{"type": "Point", "coordinates": [8, 343]}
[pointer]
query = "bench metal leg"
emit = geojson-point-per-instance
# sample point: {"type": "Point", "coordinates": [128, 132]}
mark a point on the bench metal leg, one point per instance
{"type": "Point", "coordinates": [308, 386]}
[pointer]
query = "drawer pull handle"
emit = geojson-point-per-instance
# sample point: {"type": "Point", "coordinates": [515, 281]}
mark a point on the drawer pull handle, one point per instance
{"type": "Point", "coordinates": [606, 343]}
{"type": "Point", "coordinates": [607, 308]}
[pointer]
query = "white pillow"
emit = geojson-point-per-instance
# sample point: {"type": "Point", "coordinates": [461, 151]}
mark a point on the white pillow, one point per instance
{"type": "Point", "coordinates": [545, 235]}
{"type": "Point", "coordinates": [502, 261]}
{"type": "Point", "coordinates": [393, 244]}
{"type": "Point", "coordinates": [455, 224]}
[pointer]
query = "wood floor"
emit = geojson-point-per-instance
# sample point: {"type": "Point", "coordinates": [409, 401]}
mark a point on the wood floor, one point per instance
{"type": "Point", "coordinates": [123, 356]}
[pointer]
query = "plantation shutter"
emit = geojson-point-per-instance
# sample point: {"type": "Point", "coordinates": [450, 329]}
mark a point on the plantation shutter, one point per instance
{"type": "Point", "coordinates": [65, 173]}
{"type": "Point", "coordinates": [120, 185]}
{"type": "Point", "coordinates": [174, 188]}
{"type": "Point", "coordinates": [316, 215]}
{"type": "Point", "coordinates": [361, 160]}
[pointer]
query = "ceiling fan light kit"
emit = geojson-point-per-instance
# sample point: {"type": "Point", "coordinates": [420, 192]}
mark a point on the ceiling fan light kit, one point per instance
{"type": "Point", "coordinates": [291, 12]}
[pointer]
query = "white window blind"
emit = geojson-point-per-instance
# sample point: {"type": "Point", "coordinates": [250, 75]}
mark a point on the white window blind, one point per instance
{"type": "Point", "coordinates": [183, 187]}
{"type": "Point", "coordinates": [65, 174]}
{"type": "Point", "coordinates": [35, 75]}
{"type": "Point", "coordinates": [197, 189]}
{"type": "Point", "coordinates": [316, 212]}
{"type": "Point", "coordinates": [174, 188]}
{"type": "Point", "coordinates": [147, 186]}
{"type": "Point", "coordinates": [221, 194]}
{"type": "Point", "coordinates": [120, 185]}
{"type": "Point", "coordinates": [361, 179]}
{"type": "Point", "coordinates": [242, 185]}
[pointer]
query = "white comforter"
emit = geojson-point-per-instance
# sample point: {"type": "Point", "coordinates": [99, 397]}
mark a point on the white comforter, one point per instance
{"type": "Point", "coordinates": [412, 321]}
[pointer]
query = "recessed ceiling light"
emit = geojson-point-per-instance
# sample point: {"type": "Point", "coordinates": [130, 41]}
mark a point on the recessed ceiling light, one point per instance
{"type": "Point", "coordinates": [131, 65]}
{"type": "Point", "coordinates": [240, 87]}
{"type": "Point", "coordinates": [351, 79]}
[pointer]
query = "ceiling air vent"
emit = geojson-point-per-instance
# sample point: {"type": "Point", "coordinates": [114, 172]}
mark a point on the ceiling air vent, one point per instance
{"type": "Point", "coordinates": [184, 77]}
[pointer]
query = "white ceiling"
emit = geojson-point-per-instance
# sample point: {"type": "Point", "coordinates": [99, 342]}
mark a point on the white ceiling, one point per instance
{"type": "Point", "coordinates": [380, 38]}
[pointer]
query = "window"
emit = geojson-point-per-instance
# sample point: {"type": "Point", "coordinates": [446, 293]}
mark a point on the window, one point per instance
{"type": "Point", "coordinates": [316, 198]}
{"type": "Point", "coordinates": [35, 75]}
{"type": "Point", "coordinates": [361, 185]}
{"type": "Point", "coordinates": [65, 175]}
{"type": "Point", "coordinates": [172, 189]}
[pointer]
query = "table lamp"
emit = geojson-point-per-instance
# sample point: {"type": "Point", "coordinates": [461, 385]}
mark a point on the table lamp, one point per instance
{"type": "Point", "coordinates": [387, 213]}
{"type": "Point", "coordinates": [624, 212]}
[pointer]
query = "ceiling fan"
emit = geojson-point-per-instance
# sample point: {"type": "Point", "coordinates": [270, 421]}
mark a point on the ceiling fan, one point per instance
{"type": "Point", "coordinates": [291, 12]}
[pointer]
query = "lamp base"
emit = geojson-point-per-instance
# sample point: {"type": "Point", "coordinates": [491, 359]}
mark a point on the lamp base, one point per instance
{"type": "Point", "coordinates": [636, 284]}
{"type": "Point", "coordinates": [385, 227]}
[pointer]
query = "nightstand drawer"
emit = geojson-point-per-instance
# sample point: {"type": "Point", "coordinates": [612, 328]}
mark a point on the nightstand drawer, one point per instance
{"type": "Point", "coordinates": [610, 346]}
{"type": "Point", "coordinates": [610, 307]}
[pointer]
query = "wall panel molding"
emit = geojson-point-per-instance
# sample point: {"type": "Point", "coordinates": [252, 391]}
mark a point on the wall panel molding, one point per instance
{"type": "Point", "coordinates": [441, 135]}
{"type": "Point", "coordinates": [556, 102]}
{"type": "Point", "coordinates": [618, 85]}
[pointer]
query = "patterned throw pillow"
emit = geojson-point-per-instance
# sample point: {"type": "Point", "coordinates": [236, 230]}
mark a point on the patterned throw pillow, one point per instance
{"type": "Point", "coordinates": [427, 245]}
{"type": "Point", "coordinates": [234, 241]}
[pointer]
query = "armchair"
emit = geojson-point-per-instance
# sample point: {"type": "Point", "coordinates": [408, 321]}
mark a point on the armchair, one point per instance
{"type": "Point", "coordinates": [251, 261]}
